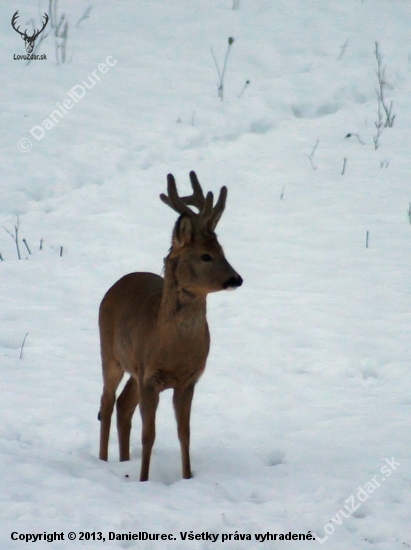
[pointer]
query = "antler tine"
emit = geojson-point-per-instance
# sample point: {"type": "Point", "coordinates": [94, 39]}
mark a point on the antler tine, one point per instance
{"type": "Point", "coordinates": [197, 197]}
{"type": "Point", "coordinates": [204, 204]}
{"type": "Point", "coordinates": [195, 184]}
{"type": "Point", "coordinates": [173, 200]}
{"type": "Point", "coordinates": [207, 210]}
{"type": "Point", "coordinates": [219, 207]}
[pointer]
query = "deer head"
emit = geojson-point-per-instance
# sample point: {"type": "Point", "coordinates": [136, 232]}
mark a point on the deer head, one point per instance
{"type": "Point", "coordinates": [28, 40]}
{"type": "Point", "coordinates": [197, 259]}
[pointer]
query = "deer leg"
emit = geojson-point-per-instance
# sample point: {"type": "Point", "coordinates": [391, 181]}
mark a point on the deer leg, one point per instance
{"type": "Point", "coordinates": [182, 399]}
{"type": "Point", "coordinates": [112, 374]}
{"type": "Point", "coordinates": [126, 405]}
{"type": "Point", "coordinates": [148, 407]}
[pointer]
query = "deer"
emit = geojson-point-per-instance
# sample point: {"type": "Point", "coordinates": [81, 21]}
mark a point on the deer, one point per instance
{"type": "Point", "coordinates": [29, 41]}
{"type": "Point", "coordinates": [155, 329]}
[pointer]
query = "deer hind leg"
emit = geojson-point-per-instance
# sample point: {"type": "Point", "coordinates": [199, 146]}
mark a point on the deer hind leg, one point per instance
{"type": "Point", "coordinates": [112, 375]}
{"type": "Point", "coordinates": [182, 399]}
{"type": "Point", "coordinates": [148, 406]}
{"type": "Point", "coordinates": [126, 405]}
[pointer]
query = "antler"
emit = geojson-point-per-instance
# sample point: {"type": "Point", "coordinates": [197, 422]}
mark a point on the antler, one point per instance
{"type": "Point", "coordinates": [13, 23]}
{"type": "Point", "coordinates": [24, 34]}
{"type": "Point", "coordinates": [207, 215]}
{"type": "Point", "coordinates": [35, 35]}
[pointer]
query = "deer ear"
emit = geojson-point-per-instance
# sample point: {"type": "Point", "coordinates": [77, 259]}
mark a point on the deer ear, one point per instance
{"type": "Point", "coordinates": [183, 231]}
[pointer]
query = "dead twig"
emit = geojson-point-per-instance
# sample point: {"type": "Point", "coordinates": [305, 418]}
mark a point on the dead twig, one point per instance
{"type": "Point", "coordinates": [15, 237]}
{"type": "Point", "coordinates": [311, 157]}
{"type": "Point", "coordinates": [22, 345]}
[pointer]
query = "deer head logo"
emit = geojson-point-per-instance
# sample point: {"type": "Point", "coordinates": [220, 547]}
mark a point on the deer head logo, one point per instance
{"type": "Point", "coordinates": [29, 41]}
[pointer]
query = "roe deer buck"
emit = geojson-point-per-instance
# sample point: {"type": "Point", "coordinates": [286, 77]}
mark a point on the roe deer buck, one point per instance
{"type": "Point", "coordinates": [156, 329]}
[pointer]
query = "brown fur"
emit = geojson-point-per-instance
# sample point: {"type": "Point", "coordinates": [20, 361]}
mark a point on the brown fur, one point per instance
{"type": "Point", "coordinates": [156, 330]}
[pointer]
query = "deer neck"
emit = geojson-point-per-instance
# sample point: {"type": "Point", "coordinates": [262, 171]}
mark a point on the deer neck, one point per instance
{"type": "Point", "coordinates": [179, 305]}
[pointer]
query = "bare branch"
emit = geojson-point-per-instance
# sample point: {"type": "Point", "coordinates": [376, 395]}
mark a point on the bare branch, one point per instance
{"type": "Point", "coordinates": [311, 157]}
{"type": "Point", "coordinates": [380, 91]}
{"type": "Point", "coordinates": [85, 16]}
{"type": "Point", "coordinates": [22, 345]}
{"type": "Point", "coordinates": [15, 237]}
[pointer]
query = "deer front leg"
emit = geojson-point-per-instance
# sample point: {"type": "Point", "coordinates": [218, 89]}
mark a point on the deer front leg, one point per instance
{"type": "Point", "coordinates": [182, 399]}
{"type": "Point", "coordinates": [148, 407]}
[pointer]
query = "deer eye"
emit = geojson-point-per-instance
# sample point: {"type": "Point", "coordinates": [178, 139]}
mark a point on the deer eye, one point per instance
{"type": "Point", "coordinates": [206, 257]}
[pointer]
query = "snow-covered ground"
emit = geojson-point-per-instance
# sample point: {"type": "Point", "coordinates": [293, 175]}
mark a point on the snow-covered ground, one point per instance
{"type": "Point", "coordinates": [307, 392]}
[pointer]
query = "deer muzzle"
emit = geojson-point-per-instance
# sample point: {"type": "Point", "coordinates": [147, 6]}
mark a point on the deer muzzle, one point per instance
{"type": "Point", "coordinates": [233, 282]}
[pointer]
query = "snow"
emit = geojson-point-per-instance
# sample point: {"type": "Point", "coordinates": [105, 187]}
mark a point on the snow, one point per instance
{"type": "Point", "coordinates": [307, 391]}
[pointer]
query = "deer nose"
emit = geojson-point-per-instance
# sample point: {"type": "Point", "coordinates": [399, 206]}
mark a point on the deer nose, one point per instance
{"type": "Point", "coordinates": [233, 282]}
